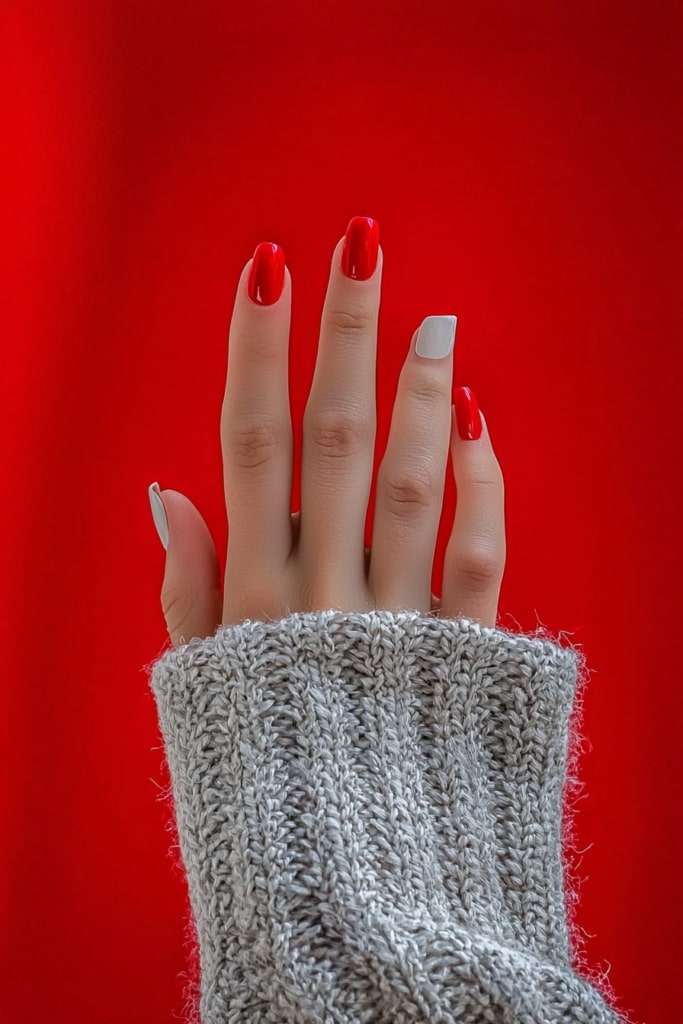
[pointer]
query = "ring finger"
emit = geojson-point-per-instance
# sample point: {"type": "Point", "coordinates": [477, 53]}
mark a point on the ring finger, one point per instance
{"type": "Point", "coordinates": [411, 478]}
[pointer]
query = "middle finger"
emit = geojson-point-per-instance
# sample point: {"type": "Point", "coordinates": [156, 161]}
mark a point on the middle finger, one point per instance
{"type": "Point", "coordinates": [340, 420]}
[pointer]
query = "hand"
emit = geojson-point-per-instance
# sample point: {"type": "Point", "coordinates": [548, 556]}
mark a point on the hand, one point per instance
{"type": "Point", "coordinates": [278, 562]}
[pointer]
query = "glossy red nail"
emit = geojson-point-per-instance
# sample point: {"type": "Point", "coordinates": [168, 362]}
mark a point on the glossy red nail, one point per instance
{"type": "Point", "coordinates": [361, 245]}
{"type": "Point", "coordinates": [267, 275]}
{"type": "Point", "coordinates": [467, 414]}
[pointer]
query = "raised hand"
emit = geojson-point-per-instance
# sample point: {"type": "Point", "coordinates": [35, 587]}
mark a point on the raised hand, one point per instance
{"type": "Point", "coordinates": [278, 562]}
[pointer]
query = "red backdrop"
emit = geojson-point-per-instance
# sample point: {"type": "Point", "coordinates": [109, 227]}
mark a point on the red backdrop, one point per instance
{"type": "Point", "coordinates": [523, 162]}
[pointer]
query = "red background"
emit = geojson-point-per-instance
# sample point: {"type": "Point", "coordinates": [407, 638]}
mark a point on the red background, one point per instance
{"type": "Point", "coordinates": [523, 162]}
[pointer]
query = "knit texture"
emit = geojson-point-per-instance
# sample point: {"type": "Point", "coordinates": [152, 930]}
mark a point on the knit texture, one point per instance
{"type": "Point", "coordinates": [369, 812]}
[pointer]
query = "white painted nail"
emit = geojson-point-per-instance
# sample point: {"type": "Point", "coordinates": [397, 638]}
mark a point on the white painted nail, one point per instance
{"type": "Point", "coordinates": [436, 336]}
{"type": "Point", "coordinates": [158, 513]}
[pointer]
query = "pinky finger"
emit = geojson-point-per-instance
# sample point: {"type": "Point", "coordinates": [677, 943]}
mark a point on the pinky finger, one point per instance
{"type": "Point", "coordinates": [474, 562]}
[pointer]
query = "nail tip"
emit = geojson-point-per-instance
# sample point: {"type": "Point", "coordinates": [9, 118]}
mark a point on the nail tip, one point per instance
{"type": "Point", "coordinates": [450, 318]}
{"type": "Point", "coordinates": [159, 514]}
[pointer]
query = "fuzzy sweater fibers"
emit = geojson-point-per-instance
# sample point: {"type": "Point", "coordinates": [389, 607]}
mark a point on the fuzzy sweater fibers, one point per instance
{"type": "Point", "coordinates": [369, 810]}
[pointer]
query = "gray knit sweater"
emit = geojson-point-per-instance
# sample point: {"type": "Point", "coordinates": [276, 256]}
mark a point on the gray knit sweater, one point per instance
{"type": "Point", "coordinates": [369, 813]}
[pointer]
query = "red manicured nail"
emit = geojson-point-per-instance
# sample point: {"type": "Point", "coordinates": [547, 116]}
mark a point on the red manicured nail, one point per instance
{"type": "Point", "coordinates": [467, 414]}
{"type": "Point", "coordinates": [267, 274]}
{"type": "Point", "coordinates": [359, 255]}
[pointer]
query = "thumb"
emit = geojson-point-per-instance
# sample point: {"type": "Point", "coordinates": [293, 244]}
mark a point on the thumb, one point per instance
{"type": "Point", "coordinates": [191, 598]}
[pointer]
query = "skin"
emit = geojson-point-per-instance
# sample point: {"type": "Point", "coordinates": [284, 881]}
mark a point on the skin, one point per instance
{"type": "Point", "coordinates": [278, 562]}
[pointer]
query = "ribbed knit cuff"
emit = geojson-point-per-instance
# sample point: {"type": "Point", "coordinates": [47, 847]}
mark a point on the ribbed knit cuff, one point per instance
{"type": "Point", "coordinates": [369, 810]}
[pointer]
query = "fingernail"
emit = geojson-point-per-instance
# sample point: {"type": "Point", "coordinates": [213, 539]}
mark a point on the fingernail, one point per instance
{"type": "Point", "coordinates": [436, 337]}
{"type": "Point", "coordinates": [361, 245]}
{"type": "Point", "coordinates": [158, 513]}
{"type": "Point", "coordinates": [467, 414]}
{"type": "Point", "coordinates": [267, 274]}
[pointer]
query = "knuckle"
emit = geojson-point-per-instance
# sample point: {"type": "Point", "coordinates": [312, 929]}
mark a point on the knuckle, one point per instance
{"type": "Point", "coordinates": [426, 389]}
{"type": "Point", "coordinates": [486, 478]}
{"type": "Point", "coordinates": [338, 434]}
{"type": "Point", "coordinates": [480, 568]}
{"type": "Point", "coordinates": [350, 322]}
{"type": "Point", "coordinates": [411, 492]}
{"type": "Point", "coordinates": [254, 442]}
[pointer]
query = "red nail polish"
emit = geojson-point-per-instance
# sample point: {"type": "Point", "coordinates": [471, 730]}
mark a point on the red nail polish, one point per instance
{"type": "Point", "coordinates": [361, 245]}
{"type": "Point", "coordinates": [267, 275]}
{"type": "Point", "coordinates": [467, 414]}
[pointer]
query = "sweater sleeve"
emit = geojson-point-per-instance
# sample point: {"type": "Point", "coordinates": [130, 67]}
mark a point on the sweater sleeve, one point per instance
{"type": "Point", "coordinates": [369, 813]}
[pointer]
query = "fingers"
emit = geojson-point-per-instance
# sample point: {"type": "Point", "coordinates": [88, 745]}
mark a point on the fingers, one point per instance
{"type": "Point", "coordinates": [191, 591]}
{"type": "Point", "coordinates": [340, 419]}
{"type": "Point", "coordinates": [338, 454]}
{"type": "Point", "coordinates": [410, 488]}
{"type": "Point", "coordinates": [411, 478]}
{"type": "Point", "coordinates": [256, 431]}
{"type": "Point", "coordinates": [474, 562]}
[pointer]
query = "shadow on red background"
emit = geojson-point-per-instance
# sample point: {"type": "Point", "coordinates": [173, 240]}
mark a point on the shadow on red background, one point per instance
{"type": "Point", "coordinates": [523, 162]}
